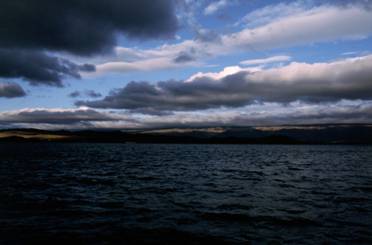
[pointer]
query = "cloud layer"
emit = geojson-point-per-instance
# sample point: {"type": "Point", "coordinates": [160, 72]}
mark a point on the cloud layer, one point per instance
{"type": "Point", "coordinates": [318, 82]}
{"type": "Point", "coordinates": [53, 116]}
{"type": "Point", "coordinates": [259, 114]}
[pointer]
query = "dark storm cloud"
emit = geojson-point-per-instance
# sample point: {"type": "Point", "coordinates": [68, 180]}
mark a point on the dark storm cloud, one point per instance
{"type": "Point", "coordinates": [88, 93]}
{"type": "Point", "coordinates": [80, 26]}
{"type": "Point", "coordinates": [38, 67]}
{"type": "Point", "coordinates": [320, 82]}
{"type": "Point", "coordinates": [11, 90]}
{"type": "Point", "coordinates": [29, 28]}
{"type": "Point", "coordinates": [46, 116]}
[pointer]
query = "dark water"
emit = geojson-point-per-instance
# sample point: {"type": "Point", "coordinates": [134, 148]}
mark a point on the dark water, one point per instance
{"type": "Point", "coordinates": [182, 194]}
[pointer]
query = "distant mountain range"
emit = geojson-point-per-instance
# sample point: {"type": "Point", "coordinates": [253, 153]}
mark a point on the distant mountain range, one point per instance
{"type": "Point", "coordinates": [288, 134]}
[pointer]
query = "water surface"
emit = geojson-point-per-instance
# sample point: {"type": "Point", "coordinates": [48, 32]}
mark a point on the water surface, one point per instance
{"type": "Point", "coordinates": [166, 194]}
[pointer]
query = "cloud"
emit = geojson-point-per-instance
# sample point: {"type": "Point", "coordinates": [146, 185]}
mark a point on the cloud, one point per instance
{"type": "Point", "coordinates": [163, 57]}
{"type": "Point", "coordinates": [54, 116]}
{"type": "Point", "coordinates": [185, 57]}
{"type": "Point", "coordinates": [75, 94]}
{"type": "Point", "coordinates": [157, 59]}
{"type": "Point", "coordinates": [11, 90]}
{"type": "Point", "coordinates": [317, 24]}
{"type": "Point", "coordinates": [215, 6]}
{"type": "Point", "coordinates": [38, 68]}
{"type": "Point", "coordinates": [270, 13]}
{"type": "Point", "coordinates": [143, 65]}
{"type": "Point", "coordinates": [273, 59]}
{"type": "Point", "coordinates": [227, 71]}
{"type": "Point", "coordinates": [58, 118]}
{"type": "Point", "coordinates": [93, 94]}
{"type": "Point", "coordinates": [88, 93]}
{"type": "Point", "coordinates": [206, 35]}
{"type": "Point", "coordinates": [289, 25]}
{"type": "Point", "coordinates": [317, 82]}
{"type": "Point", "coordinates": [34, 32]}
{"type": "Point", "coordinates": [344, 111]}
{"type": "Point", "coordinates": [82, 27]}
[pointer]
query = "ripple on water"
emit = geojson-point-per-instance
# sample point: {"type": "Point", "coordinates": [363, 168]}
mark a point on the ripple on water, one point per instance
{"type": "Point", "coordinates": [115, 193]}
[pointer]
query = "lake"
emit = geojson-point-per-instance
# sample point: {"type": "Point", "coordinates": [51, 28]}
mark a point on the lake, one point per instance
{"type": "Point", "coordinates": [186, 194]}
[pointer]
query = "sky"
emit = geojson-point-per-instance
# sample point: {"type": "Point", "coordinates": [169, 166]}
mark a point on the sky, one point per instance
{"type": "Point", "coordinates": [123, 64]}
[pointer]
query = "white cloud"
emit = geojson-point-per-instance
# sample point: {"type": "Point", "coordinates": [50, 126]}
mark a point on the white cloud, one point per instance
{"type": "Point", "coordinates": [273, 59]}
{"type": "Point", "coordinates": [349, 53]}
{"type": "Point", "coordinates": [345, 72]}
{"type": "Point", "coordinates": [163, 57]}
{"type": "Point", "coordinates": [230, 70]}
{"type": "Point", "coordinates": [215, 6]}
{"type": "Point", "coordinates": [271, 13]}
{"type": "Point", "coordinates": [142, 65]}
{"type": "Point", "coordinates": [300, 25]}
{"type": "Point", "coordinates": [319, 24]}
